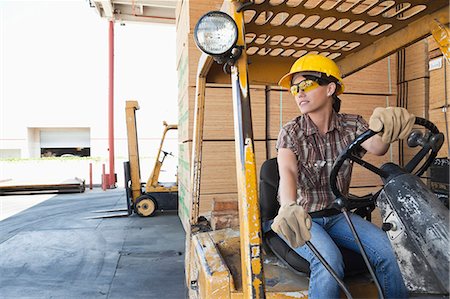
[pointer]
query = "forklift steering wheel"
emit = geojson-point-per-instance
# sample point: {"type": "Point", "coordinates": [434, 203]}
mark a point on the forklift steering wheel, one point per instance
{"type": "Point", "coordinates": [431, 142]}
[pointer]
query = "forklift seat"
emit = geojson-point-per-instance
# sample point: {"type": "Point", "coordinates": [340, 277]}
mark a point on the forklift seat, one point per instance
{"type": "Point", "coordinates": [269, 179]}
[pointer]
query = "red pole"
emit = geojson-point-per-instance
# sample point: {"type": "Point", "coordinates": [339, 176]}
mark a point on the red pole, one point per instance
{"type": "Point", "coordinates": [103, 177]}
{"type": "Point", "coordinates": [112, 177]}
{"type": "Point", "coordinates": [90, 176]}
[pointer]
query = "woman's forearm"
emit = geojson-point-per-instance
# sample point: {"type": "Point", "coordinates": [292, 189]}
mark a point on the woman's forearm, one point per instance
{"type": "Point", "coordinates": [287, 166]}
{"type": "Point", "coordinates": [288, 189]}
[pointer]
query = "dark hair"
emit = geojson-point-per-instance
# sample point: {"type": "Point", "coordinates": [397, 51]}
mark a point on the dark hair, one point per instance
{"type": "Point", "coordinates": [336, 103]}
{"type": "Point", "coordinates": [323, 81]}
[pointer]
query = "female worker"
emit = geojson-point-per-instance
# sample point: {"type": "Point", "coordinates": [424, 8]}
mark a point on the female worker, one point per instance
{"type": "Point", "coordinates": [307, 148]}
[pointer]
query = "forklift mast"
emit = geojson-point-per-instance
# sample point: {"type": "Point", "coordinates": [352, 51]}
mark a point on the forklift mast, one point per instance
{"type": "Point", "coordinates": [133, 149]}
{"type": "Point", "coordinates": [152, 182]}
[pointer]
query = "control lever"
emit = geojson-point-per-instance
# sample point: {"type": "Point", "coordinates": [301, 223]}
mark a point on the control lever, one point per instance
{"type": "Point", "coordinates": [328, 267]}
{"type": "Point", "coordinates": [363, 252]}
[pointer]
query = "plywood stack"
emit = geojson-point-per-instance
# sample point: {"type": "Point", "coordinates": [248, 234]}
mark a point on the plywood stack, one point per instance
{"type": "Point", "coordinates": [416, 80]}
{"type": "Point", "coordinates": [218, 188]}
{"type": "Point", "coordinates": [439, 90]}
{"type": "Point", "coordinates": [427, 76]}
{"type": "Point", "coordinates": [365, 90]}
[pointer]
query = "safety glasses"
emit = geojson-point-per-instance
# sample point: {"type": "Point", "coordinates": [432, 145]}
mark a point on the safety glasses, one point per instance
{"type": "Point", "coordinates": [305, 86]}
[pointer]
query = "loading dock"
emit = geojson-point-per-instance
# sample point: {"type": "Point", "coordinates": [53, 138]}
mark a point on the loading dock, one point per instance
{"type": "Point", "coordinates": [53, 250]}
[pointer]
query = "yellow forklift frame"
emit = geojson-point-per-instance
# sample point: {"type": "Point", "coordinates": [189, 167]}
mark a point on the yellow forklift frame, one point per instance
{"type": "Point", "coordinates": [264, 35]}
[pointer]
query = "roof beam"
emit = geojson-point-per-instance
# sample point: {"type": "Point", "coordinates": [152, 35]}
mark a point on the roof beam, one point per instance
{"type": "Point", "coordinates": [107, 8]}
{"type": "Point", "coordinates": [392, 43]}
{"type": "Point", "coordinates": [152, 3]}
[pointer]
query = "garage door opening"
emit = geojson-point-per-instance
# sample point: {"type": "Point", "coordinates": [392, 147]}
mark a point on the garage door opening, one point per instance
{"type": "Point", "coordinates": [65, 152]}
{"type": "Point", "coordinates": [65, 142]}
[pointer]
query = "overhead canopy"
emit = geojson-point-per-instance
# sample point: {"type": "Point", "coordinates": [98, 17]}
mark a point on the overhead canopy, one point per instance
{"type": "Point", "coordinates": [355, 33]}
{"type": "Point", "coordinates": [154, 11]}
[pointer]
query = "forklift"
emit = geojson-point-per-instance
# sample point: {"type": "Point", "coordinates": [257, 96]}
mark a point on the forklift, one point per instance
{"type": "Point", "coordinates": [146, 199]}
{"type": "Point", "coordinates": [231, 263]}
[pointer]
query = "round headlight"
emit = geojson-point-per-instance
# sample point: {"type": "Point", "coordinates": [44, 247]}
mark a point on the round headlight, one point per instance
{"type": "Point", "coordinates": [215, 33]}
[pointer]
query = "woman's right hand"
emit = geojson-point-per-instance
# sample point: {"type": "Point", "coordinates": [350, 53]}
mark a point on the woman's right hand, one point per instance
{"type": "Point", "coordinates": [395, 122]}
{"type": "Point", "coordinates": [294, 223]}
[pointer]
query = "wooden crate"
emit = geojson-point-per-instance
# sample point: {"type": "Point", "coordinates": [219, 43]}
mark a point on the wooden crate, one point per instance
{"type": "Point", "coordinates": [219, 118]}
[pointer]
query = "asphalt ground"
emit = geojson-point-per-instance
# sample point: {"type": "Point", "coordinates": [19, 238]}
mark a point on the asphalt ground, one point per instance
{"type": "Point", "coordinates": [54, 249]}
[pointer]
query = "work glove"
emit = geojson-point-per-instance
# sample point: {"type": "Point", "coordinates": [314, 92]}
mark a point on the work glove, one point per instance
{"type": "Point", "coordinates": [293, 223]}
{"type": "Point", "coordinates": [396, 123]}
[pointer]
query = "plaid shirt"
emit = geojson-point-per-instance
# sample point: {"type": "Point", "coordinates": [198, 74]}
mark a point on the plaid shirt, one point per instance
{"type": "Point", "coordinates": [316, 154]}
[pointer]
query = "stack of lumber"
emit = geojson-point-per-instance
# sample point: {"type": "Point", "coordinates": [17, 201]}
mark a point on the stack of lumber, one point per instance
{"type": "Point", "coordinates": [415, 84]}
{"type": "Point", "coordinates": [12, 187]}
{"type": "Point", "coordinates": [427, 77]}
{"type": "Point", "coordinates": [439, 91]}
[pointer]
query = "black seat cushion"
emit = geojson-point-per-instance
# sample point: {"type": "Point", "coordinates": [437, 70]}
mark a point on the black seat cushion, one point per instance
{"type": "Point", "coordinates": [268, 188]}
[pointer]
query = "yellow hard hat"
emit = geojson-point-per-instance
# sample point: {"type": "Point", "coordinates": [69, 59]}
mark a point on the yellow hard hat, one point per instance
{"type": "Point", "coordinates": [314, 64]}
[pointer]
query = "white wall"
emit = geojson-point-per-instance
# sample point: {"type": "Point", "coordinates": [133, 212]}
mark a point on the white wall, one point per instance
{"type": "Point", "coordinates": [54, 59]}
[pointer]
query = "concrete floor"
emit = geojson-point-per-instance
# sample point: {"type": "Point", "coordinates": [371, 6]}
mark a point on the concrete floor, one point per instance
{"type": "Point", "coordinates": [53, 250]}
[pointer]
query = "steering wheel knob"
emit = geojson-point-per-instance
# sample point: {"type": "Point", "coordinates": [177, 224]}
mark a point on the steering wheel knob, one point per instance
{"type": "Point", "coordinates": [415, 138]}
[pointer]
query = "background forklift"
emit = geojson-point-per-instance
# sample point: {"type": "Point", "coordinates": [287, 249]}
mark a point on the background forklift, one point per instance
{"type": "Point", "coordinates": [156, 195]}
{"type": "Point", "coordinates": [232, 264]}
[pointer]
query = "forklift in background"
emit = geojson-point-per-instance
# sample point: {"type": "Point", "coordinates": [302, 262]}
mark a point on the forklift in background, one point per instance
{"type": "Point", "coordinates": [156, 195]}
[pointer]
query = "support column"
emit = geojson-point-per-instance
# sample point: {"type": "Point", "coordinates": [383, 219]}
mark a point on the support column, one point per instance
{"type": "Point", "coordinates": [111, 176]}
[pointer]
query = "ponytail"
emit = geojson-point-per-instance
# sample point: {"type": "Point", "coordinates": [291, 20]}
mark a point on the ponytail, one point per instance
{"type": "Point", "coordinates": [336, 103]}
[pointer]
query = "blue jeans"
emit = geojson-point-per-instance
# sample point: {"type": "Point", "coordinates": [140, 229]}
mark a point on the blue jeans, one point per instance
{"type": "Point", "coordinates": [329, 232]}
